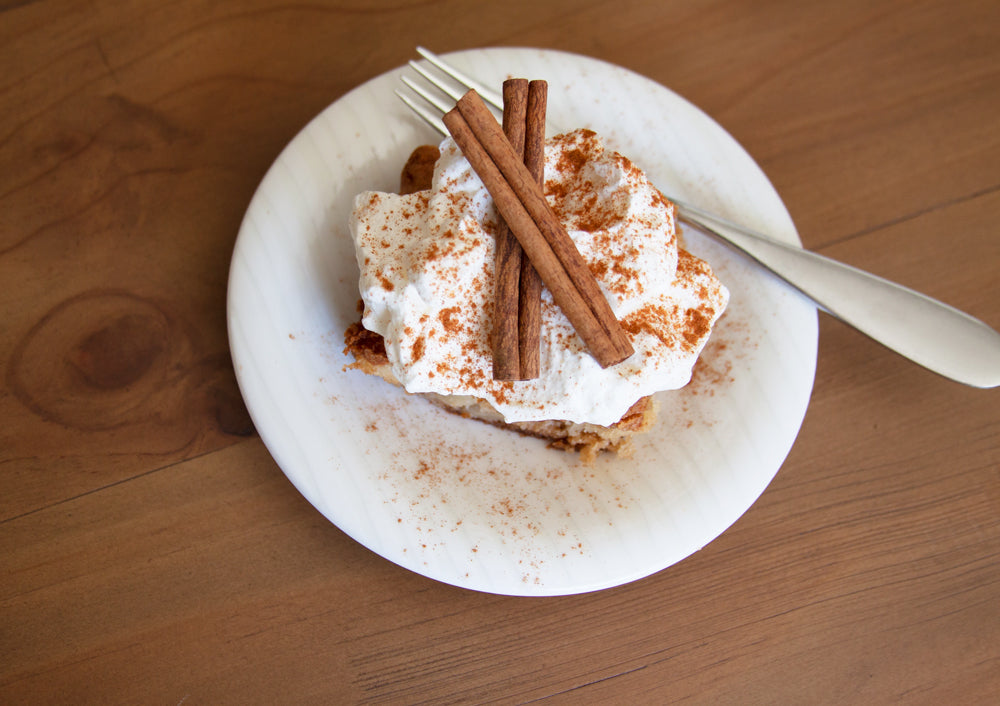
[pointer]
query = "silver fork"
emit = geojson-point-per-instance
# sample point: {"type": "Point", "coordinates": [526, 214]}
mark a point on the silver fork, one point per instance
{"type": "Point", "coordinates": [928, 332]}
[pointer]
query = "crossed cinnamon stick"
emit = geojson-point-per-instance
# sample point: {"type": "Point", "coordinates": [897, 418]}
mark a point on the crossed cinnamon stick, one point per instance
{"type": "Point", "coordinates": [521, 202]}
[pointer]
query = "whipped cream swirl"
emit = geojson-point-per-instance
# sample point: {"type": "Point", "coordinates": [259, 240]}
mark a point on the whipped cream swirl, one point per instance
{"type": "Point", "coordinates": [426, 262]}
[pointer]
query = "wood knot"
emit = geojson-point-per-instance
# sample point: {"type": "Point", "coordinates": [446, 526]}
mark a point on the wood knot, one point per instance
{"type": "Point", "coordinates": [119, 353]}
{"type": "Point", "coordinates": [96, 358]}
{"type": "Point", "coordinates": [105, 359]}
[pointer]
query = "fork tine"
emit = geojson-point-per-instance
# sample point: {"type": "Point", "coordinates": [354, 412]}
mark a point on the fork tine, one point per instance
{"type": "Point", "coordinates": [448, 90]}
{"type": "Point", "coordinates": [423, 93]}
{"type": "Point", "coordinates": [487, 94]}
{"type": "Point", "coordinates": [428, 116]}
{"type": "Point", "coordinates": [432, 119]}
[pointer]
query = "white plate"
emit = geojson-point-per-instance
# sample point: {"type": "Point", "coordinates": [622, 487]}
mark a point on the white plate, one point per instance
{"type": "Point", "coordinates": [462, 502]}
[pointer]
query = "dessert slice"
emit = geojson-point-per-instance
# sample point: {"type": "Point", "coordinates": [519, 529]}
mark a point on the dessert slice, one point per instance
{"type": "Point", "coordinates": [427, 256]}
{"type": "Point", "coordinates": [368, 350]}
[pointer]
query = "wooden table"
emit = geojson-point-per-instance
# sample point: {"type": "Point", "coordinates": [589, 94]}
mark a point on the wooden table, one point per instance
{"type": "Point", "coordinates": [153, 552]}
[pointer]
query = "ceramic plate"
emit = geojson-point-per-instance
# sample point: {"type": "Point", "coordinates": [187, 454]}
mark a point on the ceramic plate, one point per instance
{"type": "Point", "coordinates": [465, 503]}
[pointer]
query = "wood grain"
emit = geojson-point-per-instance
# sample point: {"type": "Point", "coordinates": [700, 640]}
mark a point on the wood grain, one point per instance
{"type": "Point", "coordinates": [152, 550]}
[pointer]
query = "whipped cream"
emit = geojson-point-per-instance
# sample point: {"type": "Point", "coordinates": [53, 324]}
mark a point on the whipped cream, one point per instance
{"type": "Point", "coordinates": [426, 262]}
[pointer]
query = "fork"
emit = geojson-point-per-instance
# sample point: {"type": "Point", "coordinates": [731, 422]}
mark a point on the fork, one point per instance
{"type": "Point", "coordinates": [924, 330]}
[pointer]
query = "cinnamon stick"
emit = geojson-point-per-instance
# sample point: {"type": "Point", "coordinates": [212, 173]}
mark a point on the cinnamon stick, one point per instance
{"type": "Point", "coordinates": [505, 338]}
{"type": "Point", "coordinates": [522, 204]}
{"type": "Point", "coordinates": [529, 319]}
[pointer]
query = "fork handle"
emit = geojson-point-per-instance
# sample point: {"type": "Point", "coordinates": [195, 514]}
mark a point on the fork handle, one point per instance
{"type": "Point", "coordinates": [928, 332]}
